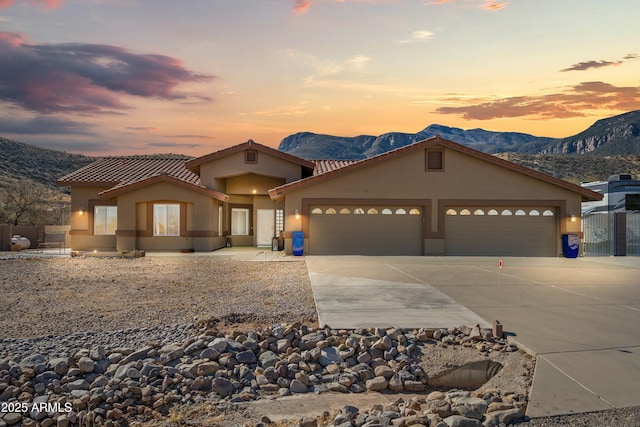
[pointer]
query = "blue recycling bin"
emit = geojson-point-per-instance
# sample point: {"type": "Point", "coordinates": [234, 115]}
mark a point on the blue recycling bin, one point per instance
{"type": "Point", "coordinates": [297, 246]}
{"type": "Point", "coordinates": [570, 245]}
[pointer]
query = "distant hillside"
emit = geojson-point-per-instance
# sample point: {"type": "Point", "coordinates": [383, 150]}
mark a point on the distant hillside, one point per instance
{"type": "Point", "coordinates": [313, 146]}
{"type": "Point", "coordinates": [19, 161]}
{"type": "Point", "coordinates": [612, 136]}
{"type": "Point", "coordinates": [578, 169]}
{"type": "Point", "coordinates": [618, 135]}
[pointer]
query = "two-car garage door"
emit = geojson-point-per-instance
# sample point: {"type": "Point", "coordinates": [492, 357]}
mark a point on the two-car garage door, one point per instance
{"type": "Point", "coordinates": [365, 230]}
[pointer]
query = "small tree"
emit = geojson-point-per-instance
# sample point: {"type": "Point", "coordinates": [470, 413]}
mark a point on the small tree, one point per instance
{"type": "Point", "coordinates": [29, 203]}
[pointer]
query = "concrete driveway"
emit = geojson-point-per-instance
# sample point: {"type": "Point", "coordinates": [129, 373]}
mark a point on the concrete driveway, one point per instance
{"type": "Point", "coordinates": [580, 316]}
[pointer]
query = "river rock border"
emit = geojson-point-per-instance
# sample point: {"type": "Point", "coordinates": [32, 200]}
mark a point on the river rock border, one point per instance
{"type": "Point", "coordinates": [119, 386]}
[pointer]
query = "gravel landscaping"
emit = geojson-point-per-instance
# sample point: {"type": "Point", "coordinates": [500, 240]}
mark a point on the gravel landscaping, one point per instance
{"type": "Point", "coordinates": [209, 340]}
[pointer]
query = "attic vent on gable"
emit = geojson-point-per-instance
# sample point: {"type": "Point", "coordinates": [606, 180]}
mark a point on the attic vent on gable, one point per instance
{"type": "Point", "coordinates": [251, 156]}
{"type": "Point", "coordinates": [435, 160]}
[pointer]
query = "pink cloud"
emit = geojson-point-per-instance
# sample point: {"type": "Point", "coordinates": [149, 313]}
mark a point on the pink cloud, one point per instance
{"type": "Point", "coordinates": [487, 4]}
{"type": "Point", "coordinates": [301, 6]}
{"type": "Point", "coordinates": [49, 4]}
{"type": "Point", "coordinates": [492, 5]}
{"type": "Point", "coordinates": [575, 101]}
{"type": "Point", "coordinates": [88, 78]}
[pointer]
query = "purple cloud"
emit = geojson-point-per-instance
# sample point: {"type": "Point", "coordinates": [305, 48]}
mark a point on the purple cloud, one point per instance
{"type": "Point", "coordinates": [87, 78]}
{"type": "Point", "coordinates": [573, 102]}
{"type": "Point", "coordinates": [582, 66]}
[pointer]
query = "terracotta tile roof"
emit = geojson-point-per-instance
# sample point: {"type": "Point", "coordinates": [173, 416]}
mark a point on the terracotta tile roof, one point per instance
{"type": "Point", "coordinates": [324, 166]}
{"type": "Point", "coordinates": [279, 192]}
{"type": "Point", "coordinates": [122, 171]}
{"type": "Point", "coordinates": [163, 177]}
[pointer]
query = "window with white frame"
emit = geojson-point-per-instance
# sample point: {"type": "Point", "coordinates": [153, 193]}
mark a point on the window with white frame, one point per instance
{"type": "Point", "coordinates": [105, 220]}
{"type": "Point", "coordinates": [166, 219]}
{"type": "Point", "coordinates": [240, 221]}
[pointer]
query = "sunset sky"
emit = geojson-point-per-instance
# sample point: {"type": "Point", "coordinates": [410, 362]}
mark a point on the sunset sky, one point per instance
{"type": "Point", "coordinates": [118, 77]}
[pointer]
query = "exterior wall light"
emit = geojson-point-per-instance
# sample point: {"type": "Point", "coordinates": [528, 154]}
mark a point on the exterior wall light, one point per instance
{"type": "Point", "coordinates": [254, 191]}
{"type": "Point", "coordinates": [81, 211]}
{"type": "Point", "coordinates": [572, 216]}
{"type": "Point", "coordinates": [297, 212]}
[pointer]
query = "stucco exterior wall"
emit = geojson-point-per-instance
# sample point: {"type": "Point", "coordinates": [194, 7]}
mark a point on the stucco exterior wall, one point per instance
{"type": "Point", "coordinates": [198, 218]}
{"type": "Point", "coordinates": [234, 165]}
{"type": "Point", "coordinates": [83, 200]}
{"type": "Point", "coordinates": [465, 180]}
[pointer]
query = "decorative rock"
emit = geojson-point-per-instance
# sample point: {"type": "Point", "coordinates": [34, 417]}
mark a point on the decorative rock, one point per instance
{"type": "Point", "coordinates": [329, 355]}
{"type": "Point", "coordinates": [460, 421]}
{"type": "Point", "coordinates": [498, 418]}
{"type": "Point", "coordinates": [268, 358]}
{"type": "Point", "coordinates": [441, 407]}
{"type": "Point", "coordinates": [310, 340]}
{"type": "Point", "coordinates": [60, 365]}
{"type": "Point", "coordinates": [86, 364]}
{"type": "Point", "coordinates": [395, 383]}
{"type": "Point", "coordinates": [377, 384]}
{"type": "Point", "coordinates": [383, 371]}
{"type": "Point", "coordinates": [463, 405]}
{"type": "Point", "coordinates": [222, 386]}
{"type": "Point", "coordinates": [207, 368]}
{"type": "Point", "coordinates": [12, 418]}
{"type": "Point", "coordinates": [247, 357]}
{"type": "Point", "coordinates": [298, 387]}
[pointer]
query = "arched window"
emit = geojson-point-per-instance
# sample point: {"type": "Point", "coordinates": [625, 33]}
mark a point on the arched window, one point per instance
{"type": "Point", "coordinates": [387, 211]}
{"type": "Point", "coordinates": [534, 212]}
{"type": "Point", "coordinates": [478, 212]}
{"type": "Point", "coordinates": [345, 211]}
{"type": "Point", "coordinates": [414, 211]}
{"type": "Point", "coordinates": [372, 211]}
{"type": "Point", "coordinates": [520, 212]}
{"type": "Point", "coordinates": [465, 212]}
{"type": "Point", "coordinates": [358, 211]}
{"type": "Point", "coordinates": [548, 212]}
{"type": "Point", "coordinates": [330, 211]}
{"type": "Point", "coordinates": [506, 212]}
{"type": "Point", "coordinates": [316, 211]}
{"type": "Point", "coordinates": [451, 212]}
{"type": "Point", "coordinates": [400, 211]}
{"type": "Point", "coordinates": [492, 212]}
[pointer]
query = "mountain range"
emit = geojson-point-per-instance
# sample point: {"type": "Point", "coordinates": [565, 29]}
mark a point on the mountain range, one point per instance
{"type": "Point", "coordinates": [610, 146]}
{"type": "Point", "coordinates": [618, 135]}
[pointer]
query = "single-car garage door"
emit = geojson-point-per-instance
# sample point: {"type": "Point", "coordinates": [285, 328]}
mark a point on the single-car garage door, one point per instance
{"type": "Point", "coordinates": [501, 231]}
{"type": "Point", "coordinates": [365, 230]}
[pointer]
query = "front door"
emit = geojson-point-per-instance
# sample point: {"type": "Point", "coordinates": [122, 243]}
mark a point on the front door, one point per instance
{"type": "Point", "coordinates": [266, 227]}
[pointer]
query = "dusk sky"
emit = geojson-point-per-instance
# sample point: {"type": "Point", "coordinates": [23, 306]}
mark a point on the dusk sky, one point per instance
{"type": "Point", "coordinates": [118, 77]}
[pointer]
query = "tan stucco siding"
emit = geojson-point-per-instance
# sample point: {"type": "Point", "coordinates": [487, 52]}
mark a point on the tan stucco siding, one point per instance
{"type": "Point", "coordinates": [465, 180]}
{"type": "Point", "coordinates": [252, 184]}
{"type": "Point", "coordinates": [83, 200]}
{"type": "Point", "coordinates": [199, 219]}
{"type": "Point", "coordinates": [234, 165]}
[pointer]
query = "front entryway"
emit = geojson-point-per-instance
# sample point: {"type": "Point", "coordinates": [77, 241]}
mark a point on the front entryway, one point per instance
{"type": "Point", "coordinates": [266, 229]}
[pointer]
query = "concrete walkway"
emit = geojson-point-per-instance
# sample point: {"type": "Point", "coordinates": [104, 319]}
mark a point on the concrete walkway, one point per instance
{"type": "Point", "coordinates": [580, 316]}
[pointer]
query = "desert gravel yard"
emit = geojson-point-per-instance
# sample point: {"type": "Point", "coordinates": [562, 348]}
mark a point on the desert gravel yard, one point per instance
{"type": "Point", "coordinates": [60, 296]}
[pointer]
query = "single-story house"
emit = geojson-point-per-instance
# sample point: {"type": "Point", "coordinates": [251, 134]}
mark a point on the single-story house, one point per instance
{"type": "Point", "coordinates": [433, 197]}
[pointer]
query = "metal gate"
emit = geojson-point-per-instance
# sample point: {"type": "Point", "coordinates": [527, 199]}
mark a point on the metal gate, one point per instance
{"type": "Point", "coordinates": [608, 234]}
